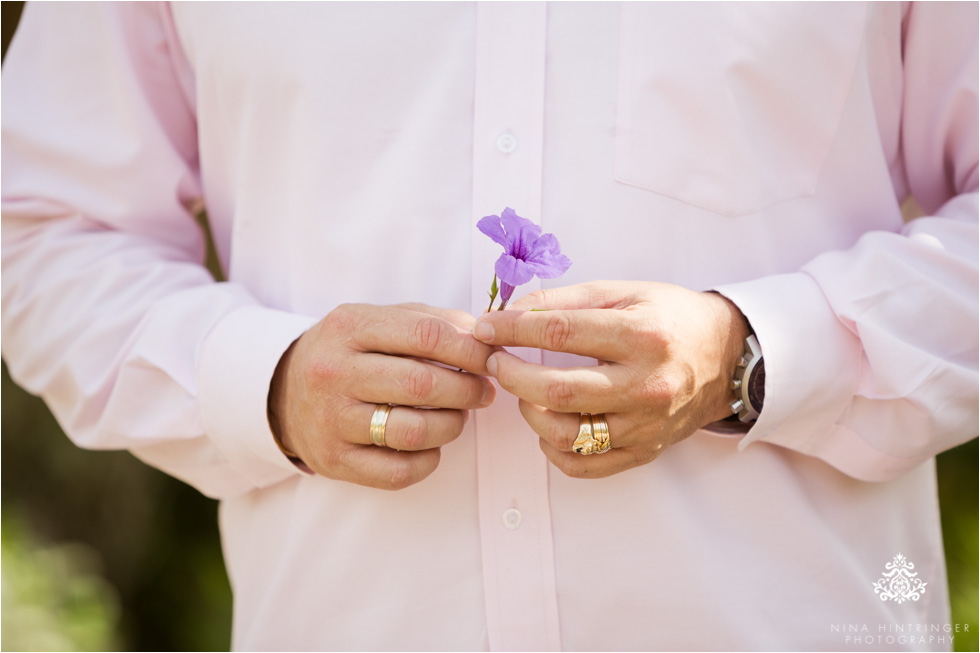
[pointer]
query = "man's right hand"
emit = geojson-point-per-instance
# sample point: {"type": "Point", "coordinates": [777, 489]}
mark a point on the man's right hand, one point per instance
{"type": "Point", "coordinates": [330, 380]}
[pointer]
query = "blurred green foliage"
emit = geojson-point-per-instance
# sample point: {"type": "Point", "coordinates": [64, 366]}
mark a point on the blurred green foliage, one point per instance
{"type": "Point", "coordinates": [54, 596]}
{"type": "Point", "coordinates": [153, 540]}
{"type": "Point", "coordinates": [958, 500]}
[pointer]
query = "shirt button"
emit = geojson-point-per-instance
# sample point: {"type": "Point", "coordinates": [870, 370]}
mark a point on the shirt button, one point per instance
{"type": "Point", "coordinates": [506, 142]}
{"type": "Point", "coordinates": [512, 518]}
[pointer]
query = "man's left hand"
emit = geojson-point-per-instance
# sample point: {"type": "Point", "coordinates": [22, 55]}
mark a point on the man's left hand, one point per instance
{"type": "Point", "coordinates": [667, 356]}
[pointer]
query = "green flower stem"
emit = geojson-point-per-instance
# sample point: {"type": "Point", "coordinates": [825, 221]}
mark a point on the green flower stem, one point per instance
{"type": "Point", "coordinates": [493, 293]}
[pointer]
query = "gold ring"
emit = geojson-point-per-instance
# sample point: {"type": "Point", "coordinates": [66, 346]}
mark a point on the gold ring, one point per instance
{"type": "Point", "coordinates": [584, 443]}
{"type": "Point", "coordinates": [600, 431]}
{"type": "Point", "coordinates": [379, 420]}
{"type": "Point", "coordinates": [593, 434]}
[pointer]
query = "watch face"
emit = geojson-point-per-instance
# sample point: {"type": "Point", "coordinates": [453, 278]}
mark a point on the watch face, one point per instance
{"type": "Point", "coordinates": [757, 386]}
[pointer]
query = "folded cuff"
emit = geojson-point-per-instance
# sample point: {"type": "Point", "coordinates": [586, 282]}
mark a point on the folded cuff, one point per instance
{"type": "Point", "coordinates": [813, 361]}
{"type": "Point", "coordinates": [235, 368]}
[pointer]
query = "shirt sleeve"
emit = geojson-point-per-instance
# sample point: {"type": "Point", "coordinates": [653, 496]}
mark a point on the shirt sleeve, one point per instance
{"type": "Point", "coordinates": [871, 353]}
{"type": "Point", "coordinates": [108, 311]}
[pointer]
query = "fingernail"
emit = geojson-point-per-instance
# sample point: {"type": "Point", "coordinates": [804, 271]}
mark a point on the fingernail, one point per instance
{"type": "Point", "coordinates": [492, 365]}
{"type": "Point", "coordinates": [488, 395]}
{"type": "Point", "coordinates": [483, 331]}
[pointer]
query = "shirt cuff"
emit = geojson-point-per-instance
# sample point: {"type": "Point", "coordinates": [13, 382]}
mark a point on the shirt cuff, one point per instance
{"type": "Point", "coordinates": [812, 361]}
{"type": "Point", "coordinates": [235, 368]}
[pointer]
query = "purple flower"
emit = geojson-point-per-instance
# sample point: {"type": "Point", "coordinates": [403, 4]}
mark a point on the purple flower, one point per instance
{"type": "Point", "coordinates": [527, 252]}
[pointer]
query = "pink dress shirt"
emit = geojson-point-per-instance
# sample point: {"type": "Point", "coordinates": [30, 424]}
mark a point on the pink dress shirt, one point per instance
{"type": "Point", "coordinates": [345, 151]}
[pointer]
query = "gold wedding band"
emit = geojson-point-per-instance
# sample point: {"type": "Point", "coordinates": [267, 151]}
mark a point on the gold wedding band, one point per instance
{"type": "Point", "coordinates": [593, 434]}
{"type": "Point", "coordinates": [584, 439]}
{"type": "Point", "coordinates": [379, 420]}
{"type": "Point", "coordinates": [600, 431]}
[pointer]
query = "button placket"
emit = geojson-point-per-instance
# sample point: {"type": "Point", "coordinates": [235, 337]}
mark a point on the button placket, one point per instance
{"type": "Point", "coordinates": [508, 136]}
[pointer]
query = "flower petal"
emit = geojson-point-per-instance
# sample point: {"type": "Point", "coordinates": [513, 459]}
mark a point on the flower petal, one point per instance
{"type": "Point", "coordinates": [513, 270]}
{"type": "Point", "coordinates": [521, 233]}
{"type": "Point", "coordinates": [550, 266]}
{"type": "Point", "coordinates": [546, 258]}
{"type": "Point", "coordinates": [514, 223]}
{"type": "Point", "coordinates": [548, 243]}
{"type": "Point", "coordinates": [491, 226]}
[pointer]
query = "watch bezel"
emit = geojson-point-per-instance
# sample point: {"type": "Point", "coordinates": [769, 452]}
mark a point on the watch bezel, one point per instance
{"type": "Point", "coordinates": [752, 358]}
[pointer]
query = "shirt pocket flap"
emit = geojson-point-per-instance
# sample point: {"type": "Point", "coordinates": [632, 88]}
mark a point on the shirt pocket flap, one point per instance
{"type": "Point", "coordinates": [732, 106]}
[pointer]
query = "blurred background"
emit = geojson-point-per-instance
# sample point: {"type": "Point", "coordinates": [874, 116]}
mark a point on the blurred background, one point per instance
{"type": "Point", "coordinates": [101, 552]}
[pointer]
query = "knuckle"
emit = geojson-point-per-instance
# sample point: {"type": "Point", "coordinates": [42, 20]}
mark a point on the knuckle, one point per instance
{"type": "Point", "coordinates": [331, 457]}
{"type": "Point", "coordinates": [644, 336]}
{"type": "Point", "coordinates": [635, 457]}
{"type": "Point", "coordinates": [458, 318]}
{"type": "Point", "coordinates": [561, 438]}
{"type": "Point", "coordinates": [671, 388]}
{"type": "Point", "coordinates": [560, 393]}
{"type": "Point", "coordinates": [648, 333]}
{"type": "Point", "coordinates": [558, 332]}
{"type": "Point", "coordinates": [572, 467]}
{"type": "Point", "coordinates": [401, 477]}
{"type": "Point", "coordinates": [415, 434]}
{"type": "Point", "coordinates": [341, 319]}
{"type": "Point", "coordinates": [456, 424]}
{"type": "Point", "coordinates": [596, 294]}
{"type": "Point", "coordinates": [540, 295]}
{"type": "Point", "coordinates": [474, 389]}
{"type": "Point", "coordinates": [419, 384]}
{"type": "Point", "coordinates": [657, 391]}
{"type": "Point", "coordinates": [322, 372]}
{"type": "Point", "coordinates": [560, 461]}
{"type": "Point", "coordinates": [461, 318]}
{"type": "Point", "coordinates": [474, 352]}
{"type": "Point", "coordinates": [426, 335]}
{"type": "Point", "coordinates": [537, 298]}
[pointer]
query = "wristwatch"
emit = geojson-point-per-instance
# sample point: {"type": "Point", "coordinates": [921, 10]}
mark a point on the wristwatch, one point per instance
{"type": "Point", "coordinates": [749, 383]}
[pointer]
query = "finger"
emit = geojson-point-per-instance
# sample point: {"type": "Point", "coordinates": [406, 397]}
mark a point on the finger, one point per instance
{"type": "Point", "coordinates": [382, 468]}
{"type": "Point", "coordinates": [563, 390]}
{"type": "Point", "coordinates": [561, 429]}
{"type": "Point", "coordinates": [600, 333]}
{"type": "Point", "coordinates": [595, 465]}
{"type": "Point", "coordinates": [595, 294]}
{"type": "Point", "coordinates": [456, 317]}
{"type": "Point", "coordinates": [389, 330]}
{"type": "Point", "coordinates": [376, 378]}
{"type": "Point", "coordinates": [406, 429]}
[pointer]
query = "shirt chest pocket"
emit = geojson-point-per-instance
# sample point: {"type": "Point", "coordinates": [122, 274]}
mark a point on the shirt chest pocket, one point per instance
{"type": "Point", "coordinates": [732, 107]}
